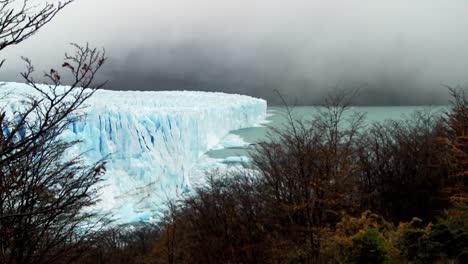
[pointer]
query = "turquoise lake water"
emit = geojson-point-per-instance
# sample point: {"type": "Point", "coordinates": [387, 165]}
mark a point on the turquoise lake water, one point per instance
{"type": "Point", "coordinates": [276, 118]}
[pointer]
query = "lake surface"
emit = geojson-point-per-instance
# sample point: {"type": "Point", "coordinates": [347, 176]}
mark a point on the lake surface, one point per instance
{"type": "Point", "coordinates": [276, 118]}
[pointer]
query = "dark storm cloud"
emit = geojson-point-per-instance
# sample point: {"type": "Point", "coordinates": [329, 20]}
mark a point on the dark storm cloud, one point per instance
{"type": "Point", "coordinates": [397, 52]}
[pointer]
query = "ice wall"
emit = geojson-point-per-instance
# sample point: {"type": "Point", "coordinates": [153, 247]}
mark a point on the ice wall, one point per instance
{"type": "Point", "coordinates": [154, 139]}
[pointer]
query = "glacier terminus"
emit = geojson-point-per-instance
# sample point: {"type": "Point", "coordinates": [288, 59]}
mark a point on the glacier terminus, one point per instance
{"type": "Point", "coordinates": [151, 139]}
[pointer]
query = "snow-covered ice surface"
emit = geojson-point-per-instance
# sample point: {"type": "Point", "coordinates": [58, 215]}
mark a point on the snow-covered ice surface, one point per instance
{"type": "Point", "coordinates": [154, 140]}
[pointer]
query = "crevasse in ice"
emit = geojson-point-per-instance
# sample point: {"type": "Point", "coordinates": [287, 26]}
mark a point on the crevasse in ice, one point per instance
{"type": "Point", "coordinates": [152, 140]}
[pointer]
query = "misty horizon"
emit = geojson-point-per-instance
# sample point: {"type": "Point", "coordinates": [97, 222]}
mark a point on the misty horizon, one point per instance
{"type": "Point", "coordinates": [396, 53]}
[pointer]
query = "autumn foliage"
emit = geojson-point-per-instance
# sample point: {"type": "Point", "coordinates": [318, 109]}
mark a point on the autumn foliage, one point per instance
{"type": "Point", "coordinates": [333, 190]}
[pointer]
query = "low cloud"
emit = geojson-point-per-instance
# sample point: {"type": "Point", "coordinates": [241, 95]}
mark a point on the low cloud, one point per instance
{"type": "Point", "coordinates": [397, 52]}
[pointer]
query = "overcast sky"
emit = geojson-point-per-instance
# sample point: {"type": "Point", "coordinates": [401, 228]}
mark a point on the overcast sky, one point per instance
{"type": "Point", "coordinates": [397, 51]}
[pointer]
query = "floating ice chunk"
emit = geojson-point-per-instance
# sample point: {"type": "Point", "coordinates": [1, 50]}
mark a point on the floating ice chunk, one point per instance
{"type": "Point", "coordinates": [232, 141]}
{"type": "Point", "coordinates": [236, 159]}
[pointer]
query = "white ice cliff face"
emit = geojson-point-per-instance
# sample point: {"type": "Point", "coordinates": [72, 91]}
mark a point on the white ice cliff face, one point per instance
{"type": "Point", "coordinates": [152, 140]}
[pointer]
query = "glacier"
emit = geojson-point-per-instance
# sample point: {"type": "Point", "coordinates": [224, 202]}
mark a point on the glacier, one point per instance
{"type": "Point", "coordinates": [152, 140]}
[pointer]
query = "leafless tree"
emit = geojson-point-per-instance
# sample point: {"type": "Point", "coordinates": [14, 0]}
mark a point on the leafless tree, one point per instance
{"type": "Point", "coordinates": [403, 167]}
{"type": "Point", "coordinates": [308, 170]}
{"type": "Point", "coordinates": [45, 195]}
{"type": "Point", "coordinates": [20, 19]}
{"type": "Point", "coordinates": [43, 192]}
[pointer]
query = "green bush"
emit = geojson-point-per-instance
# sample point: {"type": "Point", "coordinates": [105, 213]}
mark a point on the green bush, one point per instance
{"type": "Point", "coordinates": [462, 258]}
{"type": "Point", "coordinates": [369, 246]}
{"type": "Point", "coordinates": [410, 243]}
{"type": "Point", "coordinates": [446, 240]}
{"type": "Point", "coordinates": [441, 241]}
